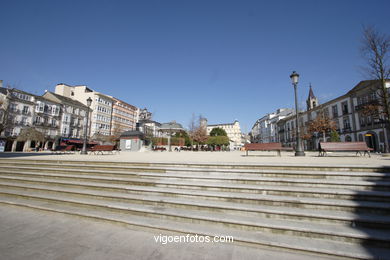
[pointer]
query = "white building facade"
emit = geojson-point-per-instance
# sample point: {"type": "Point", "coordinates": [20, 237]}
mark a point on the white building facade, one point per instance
{"type": "Point", "coordinates": [20, 114]}
{"type": "Point", "coordinates": [101, 116]}
{"type": "Point", "coordinates": [265, 129]}
{"type": "Point", "coordinates": [47, 117]}
{"type": "Point", "coordinates": [73, 115]}
{"type": "Point", "coordinates": [233, 131]}
{"type": "Point", "coordinates": [124, 116]}
{"type": "Point", "coordinates": [347, 113]}
{"type": "Point", "coordinates": [27, 111]}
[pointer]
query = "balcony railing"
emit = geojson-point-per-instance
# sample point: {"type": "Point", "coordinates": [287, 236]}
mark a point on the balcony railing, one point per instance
{"type": "Point", "coordinates": [26, 113]}
{"type": "Point", "coordinates": [18, 123]}
{"type": "Point", "coordinates": [361, 106]}
{"type": "Point", "coordinates": [346, 130]}
{"type": "Point", "coordinates": [15, 111]}
{"type": "Point", "coordinates": [50, 125]}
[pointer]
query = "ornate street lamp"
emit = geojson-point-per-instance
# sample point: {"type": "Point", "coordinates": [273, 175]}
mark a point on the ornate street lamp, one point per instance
{"type": "Point", "coordinates": [298, 147]}
{"type": "Point", "coordinates": [84, 150]}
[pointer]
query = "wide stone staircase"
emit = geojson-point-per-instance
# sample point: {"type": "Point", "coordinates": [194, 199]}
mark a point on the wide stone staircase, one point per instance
{"type": "Point", "coordinates": [335, 211]}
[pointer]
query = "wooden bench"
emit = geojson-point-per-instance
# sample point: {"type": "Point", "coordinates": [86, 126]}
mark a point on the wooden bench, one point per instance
{"type": "Point", "coordinates": [266, 147]}
{"type": "Point", "coordinates": [64, 149]}
{"type": "Point", "coordinates": [102, 148]}
{"type": "Point", "coordinates": [357, 147]}
{"type": "Point", "coordinates": [159, 149]}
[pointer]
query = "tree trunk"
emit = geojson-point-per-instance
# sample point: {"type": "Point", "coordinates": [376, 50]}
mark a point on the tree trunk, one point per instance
{"type": "Point", "coordinates": [14, 143]}
{"type": "Point", "coordinates": [386, 140]}
{"type": "Point", "coordinates": [26, 147]}
{"type": "Point", "coordinates": [387, 113]}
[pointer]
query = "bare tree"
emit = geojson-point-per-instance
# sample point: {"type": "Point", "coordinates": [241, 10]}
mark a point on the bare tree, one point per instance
{"type": "Point", "coordinates": [321, 124]}
{"type": "Point", "coordinates": [200, 135]}
{"type": "Point", "coordinates": [101, 138]}
{"type": "Point", "coordinates": [197, 130]}
{"type": "Point", "coordinates": [192, 125]}
{"type": "Point", "coordinates": [191, 130]}
{"type": "Point", "coordinates": [375, 49]}
{"type": "Point", "coordinates": [118, 129]}
{"type": "Point", "coordinates": [31, 134]}
{"type": "Point", "coordinates": [5, 121]}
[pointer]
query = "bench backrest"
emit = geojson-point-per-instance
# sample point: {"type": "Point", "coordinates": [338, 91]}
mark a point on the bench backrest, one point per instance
{"type": "Point", "coordinates": [263, 146]}
{"type": "Point", "coordinates": [60, 148]}
{"type": "Point", "coordinates": [64, 148]}
{"type": "Point", "coordinates": [69, 148]}
{"type": "Point", "coordinates": [103, 148]}
{"type": "Point", "coordinates": [347, 146]}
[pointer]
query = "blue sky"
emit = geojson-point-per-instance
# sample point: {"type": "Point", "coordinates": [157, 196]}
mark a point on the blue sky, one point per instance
{"type": "Point", "coordinates": [225, 60]}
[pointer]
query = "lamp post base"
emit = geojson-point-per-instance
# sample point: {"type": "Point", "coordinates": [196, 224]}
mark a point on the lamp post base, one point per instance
{"type": "Point", "coordinates": [300, 153]}
{"type": "Point", "coordinates": [84, 152]}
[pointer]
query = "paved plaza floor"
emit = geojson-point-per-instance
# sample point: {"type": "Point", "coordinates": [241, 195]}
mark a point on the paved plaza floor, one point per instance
{"type": "Point", "coordinates": [35, 235]}
{"type": "Point", "coordinates": [234, 157]}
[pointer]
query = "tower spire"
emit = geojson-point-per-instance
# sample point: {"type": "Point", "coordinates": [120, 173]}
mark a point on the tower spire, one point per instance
{"type": "Point", "coordinates": [311, 94]}
{"type": "Point", "coordinates": [312, 100]}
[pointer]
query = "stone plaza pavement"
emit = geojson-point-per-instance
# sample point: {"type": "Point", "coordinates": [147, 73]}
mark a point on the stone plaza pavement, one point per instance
{"type": "Point", "coordinates": [36, 235]}
{"type": "Point", "coordinates": [234, 157]}
{"type": "Point", "coordinates": [32, 234]}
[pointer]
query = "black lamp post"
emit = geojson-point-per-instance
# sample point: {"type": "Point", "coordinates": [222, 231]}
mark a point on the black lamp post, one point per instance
{"type": "Point", "coordinates": [84, 150]}
{"type": "Point", "coordinates": [298, 148]}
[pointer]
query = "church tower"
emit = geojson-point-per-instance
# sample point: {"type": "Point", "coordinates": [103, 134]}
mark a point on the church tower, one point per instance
{"type": "Point", "coordinates": [311, 101]}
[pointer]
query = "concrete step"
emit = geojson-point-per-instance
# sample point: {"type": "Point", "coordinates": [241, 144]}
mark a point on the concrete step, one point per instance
{"type": "Point", "coordinates": [316, 168]}
{"type": "Point", "coordinates": [335, 232]}
{"type": "Point", "coordinates": [158, 226]}
{"type": "Point", "coordinates": [202, 184]}
{"type": "Point", "coordinates": [380, 185]}
{"type": "Point", "coordinates": [317, 216]}
{"type": "Point", "coordinates": [222, 184]}
{"type": "Point", "coordinates": [204, 172]}
{"type": "Point", "coordinates": [241, 197]}
{"type": "Point", "coordinates": [281, 206]}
